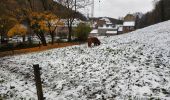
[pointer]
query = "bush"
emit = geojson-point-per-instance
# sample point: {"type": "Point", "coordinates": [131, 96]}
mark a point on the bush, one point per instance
{"type": "Point", "coordinates": [25, 45]}
{"type": "Point", "coordinates": [11, 46]}
{"type": "Point", "coordinates": [82, 31]}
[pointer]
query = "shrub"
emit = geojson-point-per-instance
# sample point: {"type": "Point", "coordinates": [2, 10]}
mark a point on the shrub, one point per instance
{"type": "Point", "coordinates": [82, 31]}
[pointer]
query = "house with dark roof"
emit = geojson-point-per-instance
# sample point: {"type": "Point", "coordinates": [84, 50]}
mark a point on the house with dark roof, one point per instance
{"type": "Point", "coordinates": [105, 26]}
{"type": "Point", "coordinates": [129, 23]}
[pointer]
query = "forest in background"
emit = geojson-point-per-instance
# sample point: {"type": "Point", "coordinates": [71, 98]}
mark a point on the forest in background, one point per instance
{"type": "Point", "coordinates": [38, 16]}
{"type": "Point", "coordinates": [160, 13]}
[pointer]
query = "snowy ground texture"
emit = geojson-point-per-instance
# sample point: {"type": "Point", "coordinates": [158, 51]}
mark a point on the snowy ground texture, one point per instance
{"type": "Point", "coordinates": [130, 66]}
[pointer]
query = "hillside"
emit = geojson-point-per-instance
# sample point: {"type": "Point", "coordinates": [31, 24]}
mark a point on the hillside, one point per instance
{"type": "Point", "coordinates": [6, 6]}
{"type": "Point", "coordinates": [61, 10]}
{"type": "Point", "coordinates": [113, 20]}
{"type": "Point", "coordinates": [135, 65]}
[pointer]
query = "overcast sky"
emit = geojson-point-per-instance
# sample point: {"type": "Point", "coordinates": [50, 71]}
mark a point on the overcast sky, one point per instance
{"type": "Point", "coordinates": [119, 8]}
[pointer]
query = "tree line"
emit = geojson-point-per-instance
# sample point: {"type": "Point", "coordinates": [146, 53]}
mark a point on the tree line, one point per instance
{"type": "Point", "coordinates": [38, 17]}
{"type": "Point", "coordinates": [160, 13]}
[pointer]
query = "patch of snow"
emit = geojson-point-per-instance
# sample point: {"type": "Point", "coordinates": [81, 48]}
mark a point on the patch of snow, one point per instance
{"type": "Point", "coordinates": [94, 31]}
{"type": "Point", "coordinates": [128, 66]}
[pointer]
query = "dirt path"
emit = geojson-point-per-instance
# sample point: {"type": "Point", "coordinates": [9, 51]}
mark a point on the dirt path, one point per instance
{"type": "Point", "coordinates": [36, 49]}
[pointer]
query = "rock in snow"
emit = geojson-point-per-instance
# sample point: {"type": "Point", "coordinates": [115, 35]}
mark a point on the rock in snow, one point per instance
{"type": "Point", "coordinates": [133, 66]}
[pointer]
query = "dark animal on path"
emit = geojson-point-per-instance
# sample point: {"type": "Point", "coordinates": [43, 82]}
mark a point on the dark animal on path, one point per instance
{"type": "Point", "coordinates": [93, 40]}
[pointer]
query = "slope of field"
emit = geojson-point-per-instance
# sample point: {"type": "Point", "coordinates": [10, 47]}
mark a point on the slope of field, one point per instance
{"type": "Point", "coordinates": [135, 65]}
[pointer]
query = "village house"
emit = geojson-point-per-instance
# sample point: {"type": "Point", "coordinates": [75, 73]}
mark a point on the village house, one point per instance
{"type": "Point", "coordinates": [107, 30]}
{"type": "Point", "coordinates": [129, 23]}
{"type": "Point", "coordinates": [99, 23]}
{"type": "Point", "coordinates": [104, 27]}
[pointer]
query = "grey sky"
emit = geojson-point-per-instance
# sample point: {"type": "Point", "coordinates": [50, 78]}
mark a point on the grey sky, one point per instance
{"type": "Point", "coordinates": [119, 8]}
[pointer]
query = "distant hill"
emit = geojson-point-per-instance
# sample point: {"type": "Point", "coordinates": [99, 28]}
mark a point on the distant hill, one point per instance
{"type": "Point", "coordinates": [60, 11]}
{"type": "Point", "coordinates": [113, 20]}
{"type": "Point", "coordinates": [7, 6]}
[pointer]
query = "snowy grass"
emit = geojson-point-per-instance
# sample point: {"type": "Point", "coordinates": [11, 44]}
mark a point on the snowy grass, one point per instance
{"type": "Point", "coordinates": [129, 66]}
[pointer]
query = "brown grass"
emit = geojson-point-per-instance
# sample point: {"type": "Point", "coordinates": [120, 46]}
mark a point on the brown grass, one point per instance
{"type": "Point", "coordinates": [36, 49]}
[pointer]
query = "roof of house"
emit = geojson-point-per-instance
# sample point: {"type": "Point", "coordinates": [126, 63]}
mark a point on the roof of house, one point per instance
{"type": "Point", "coordinates": [94, 31]}
{"type": "Point", "coordinates": [105, 19]}
{"type": "Point", "coordinates": [129, 23]}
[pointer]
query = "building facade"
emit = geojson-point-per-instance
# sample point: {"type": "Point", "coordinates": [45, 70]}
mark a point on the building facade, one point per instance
{"type": "Point", "coordinates": [129, 23]}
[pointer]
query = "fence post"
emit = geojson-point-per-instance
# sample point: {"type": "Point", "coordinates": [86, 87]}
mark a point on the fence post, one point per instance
{"type": "Point", "coordinates": [38, 82]}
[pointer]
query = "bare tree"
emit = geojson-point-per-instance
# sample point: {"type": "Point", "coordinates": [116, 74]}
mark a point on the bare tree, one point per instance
{"type": "Point", "coordinates": [71, 12]}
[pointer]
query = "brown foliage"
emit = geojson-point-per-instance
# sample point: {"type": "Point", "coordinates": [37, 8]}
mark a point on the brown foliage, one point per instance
{"type": "Point", "coordinates": [18, 29]}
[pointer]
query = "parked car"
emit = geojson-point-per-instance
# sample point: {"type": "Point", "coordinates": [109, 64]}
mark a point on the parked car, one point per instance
{"type": "Point", "coordinates": [35, 39]}
{"type": "Point", "coordinates": [17, 39]}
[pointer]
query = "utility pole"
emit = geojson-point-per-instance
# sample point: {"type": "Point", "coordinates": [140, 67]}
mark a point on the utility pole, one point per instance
{"type": "Point", "coordinates": [75, 6]}
{"type": "Point", "coordinates": [92, 9]}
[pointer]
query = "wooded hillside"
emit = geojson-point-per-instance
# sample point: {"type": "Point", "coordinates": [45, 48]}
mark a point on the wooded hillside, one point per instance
{"type": "Point", "coordinates": [160, 13]}
{"type": "Point", "coordinates": [27, 12]}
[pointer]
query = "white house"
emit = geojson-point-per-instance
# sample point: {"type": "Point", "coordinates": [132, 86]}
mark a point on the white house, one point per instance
{"type": "Point", "coordinates": [104, 27]}
{"type": "Point", "coordinates": [129, 23]}
{"type": "Point", "coordinates": [94, 32]}
{"type": "Point", "coordinates": [128, 26]}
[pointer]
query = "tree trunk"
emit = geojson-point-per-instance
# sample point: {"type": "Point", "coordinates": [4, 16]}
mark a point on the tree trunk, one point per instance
{"type": "Point", "coordinates": [69, 33]}
{"type": "Point", "coordinates": [44, 43]}
{"type": "Point", "coordinates": [23, 38]}
{"type": "Point", "coordinates": [42, 38]}
{"type": "Point", "coordinates": [29, 40]}
{"type": "Point", "coordinates": [52, 38]}
{"type": "Point", "coordinates": [162, 11]}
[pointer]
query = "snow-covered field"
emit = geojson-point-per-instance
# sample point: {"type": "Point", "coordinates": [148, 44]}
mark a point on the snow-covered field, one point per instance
{"type": "Point", "coordinates": [133, 66]}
